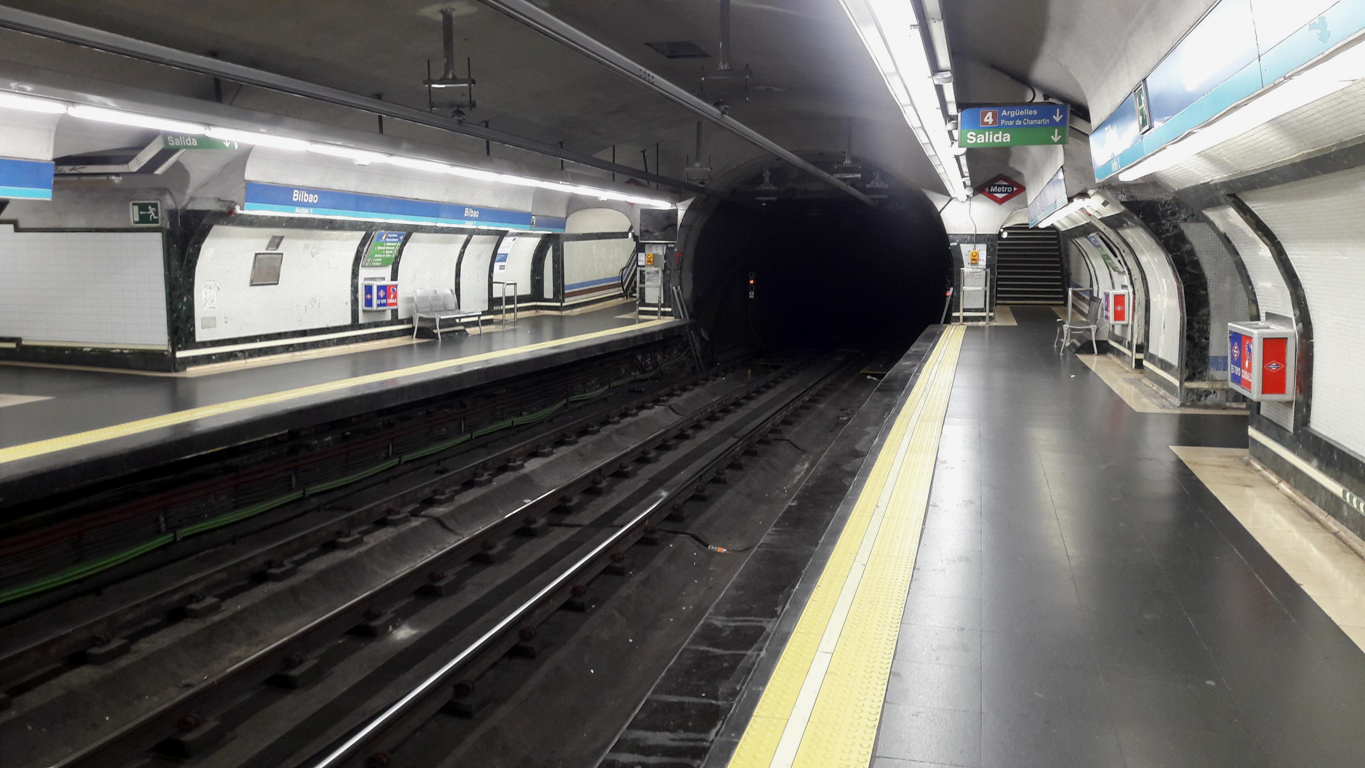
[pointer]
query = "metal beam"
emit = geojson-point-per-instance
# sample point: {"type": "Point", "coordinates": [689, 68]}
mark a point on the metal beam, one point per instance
{"type": "Point", "coordinates": [529, 14]}
{"type": "Point", "coordinates": [76, 34]}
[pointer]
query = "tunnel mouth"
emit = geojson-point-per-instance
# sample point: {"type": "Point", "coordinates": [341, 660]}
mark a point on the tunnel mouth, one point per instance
{"type": "Point", "coordinates": [819, 272]}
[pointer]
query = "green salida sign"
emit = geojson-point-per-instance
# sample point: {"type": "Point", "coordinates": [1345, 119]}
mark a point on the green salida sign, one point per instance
{"type": "Point", "coordinates": [192, 141]}
{"type": "Point", "coordinates": [1014, 125]}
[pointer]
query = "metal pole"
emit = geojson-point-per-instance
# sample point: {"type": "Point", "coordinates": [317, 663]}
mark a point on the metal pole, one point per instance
{"type": "Point", "coordinates": [64, 31]}
{"type": "Point", "coordinates": [529, 14]}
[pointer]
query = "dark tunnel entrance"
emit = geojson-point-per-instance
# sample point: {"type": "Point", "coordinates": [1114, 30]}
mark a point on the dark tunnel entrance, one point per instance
{"type": "Point", "coordinates": [828, 273]}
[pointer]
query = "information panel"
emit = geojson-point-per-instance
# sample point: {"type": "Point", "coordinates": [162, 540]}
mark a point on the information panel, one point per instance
{"type": "Point", "coordinates": [1014, 126]}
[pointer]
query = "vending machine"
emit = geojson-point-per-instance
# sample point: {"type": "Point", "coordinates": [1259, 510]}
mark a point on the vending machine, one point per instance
{"type": "Point", "coordinates": [1261, 360]}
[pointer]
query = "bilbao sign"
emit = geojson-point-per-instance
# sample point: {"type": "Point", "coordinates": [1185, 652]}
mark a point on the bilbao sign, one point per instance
{"type": "Point", "coordinates": [1002, 189]}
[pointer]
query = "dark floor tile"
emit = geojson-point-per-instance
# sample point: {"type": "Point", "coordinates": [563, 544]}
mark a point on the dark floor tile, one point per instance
{"type": "Point", "coordinates": [1063, 692]}
{"type": "Point", "coordinates": [935, 686]}
{"type": "Point", "coordinates": [935, 611]}
{"type": "Point", "coordinates": [1175, 747]}
{"type": "Point", "coordinates": [1030, 589]}
{"type": "Point", "coordinates": [891, 762]}
{"type": "Point", "coordinates": [1156, 656]}
{"type": "Point", "coordinates": [1009, 650]}
{"type": "Point", "coordinates": [1041, 618]}
{"type": "Point", "coordinates": [1207, 706]}
{"type": "Point", "coordinates": [939, 645]}
{"type": "Point", "coordinates": [1032, 740]}
{"type": "Point", "coordinates": [941, 736]}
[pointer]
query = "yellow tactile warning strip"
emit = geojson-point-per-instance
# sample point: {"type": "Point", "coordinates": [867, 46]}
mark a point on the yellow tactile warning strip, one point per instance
{"type": "Point", "coordinates": [824, 701]}
{"type": "Point", "coordinates": [79, 439]}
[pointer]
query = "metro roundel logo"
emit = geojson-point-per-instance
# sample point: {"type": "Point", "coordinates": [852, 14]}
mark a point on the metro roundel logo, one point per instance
{"type": "Point", "coordinates": [1001, 189]}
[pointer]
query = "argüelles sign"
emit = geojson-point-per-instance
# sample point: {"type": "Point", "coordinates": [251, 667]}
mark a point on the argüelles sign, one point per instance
{"type": "Point", "coordinates": [1013, 126]}
{"type": "Point", "coordinates": [1002, 189]}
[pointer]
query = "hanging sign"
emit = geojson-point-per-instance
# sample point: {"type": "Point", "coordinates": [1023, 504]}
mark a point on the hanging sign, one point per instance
{"type": "Point", "coordinates": [1002, 189]}
{"type": "Point", "coordinates": [1014, 126]}
{"type": "Point", "coordinates": [383, 249]}
{"type": "Point", "coordinates": [26, 179]}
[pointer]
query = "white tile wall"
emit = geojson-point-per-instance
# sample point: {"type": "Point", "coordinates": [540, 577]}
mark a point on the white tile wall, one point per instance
{"type": "Point", "coordinates": [1272, 294]}
{"type": "Point", "coordinates": [428, 262]}
{"type": "Point", "coordinates": [519, 262]}
{"type": "Point", "coordinates": [1319, 224]}
{"type": "Point", "coordinates": [105, 288]}
{"type": "Point", "coordinates": [596, 220]}
{"type": "Point", "coordinates": [596, 259]}
{"type": "Point", "coordinates": [474, 273]}
{"type": "Point", "coordinates": [314, 289]}
{"type": "Point", "coordinates": [1164, 326]}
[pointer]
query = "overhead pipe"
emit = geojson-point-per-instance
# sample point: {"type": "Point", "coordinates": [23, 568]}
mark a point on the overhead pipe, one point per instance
{"type": "Point", "coordinates": [527, 13]}
{"type": "Point", "coordinates": [77, 34]}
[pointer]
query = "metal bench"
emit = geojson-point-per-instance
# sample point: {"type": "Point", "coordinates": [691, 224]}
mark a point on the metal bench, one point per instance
{"type": "Point", "coordinates": [438, 304]}
{"type": "Point", "coordinates": [1090, 326]}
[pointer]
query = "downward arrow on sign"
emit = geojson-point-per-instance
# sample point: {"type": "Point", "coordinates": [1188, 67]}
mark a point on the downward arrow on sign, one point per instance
{"type": "Point", "coordinates": [1057, 117]}
{"type": "Point", "coordinates": [1056, 137]}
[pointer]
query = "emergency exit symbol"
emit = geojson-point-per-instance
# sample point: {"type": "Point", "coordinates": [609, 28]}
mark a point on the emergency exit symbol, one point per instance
{"type": "Point", "coordinates": [990, 118]}
{"type": "Point", "coordinates": [145, 213]}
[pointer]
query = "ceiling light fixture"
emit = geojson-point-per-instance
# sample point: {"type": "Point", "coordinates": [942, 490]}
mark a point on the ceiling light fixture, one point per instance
{"type": "Point", "coordinates": [359, 156]}
{"type": "Point", "coordinates": [133, 119]}
{"type": "Point", "coordinates": [892, 34]}
{"type": "Point", "coordinates": [23, 102]}
{"type": "Point", "coordinates": [256, 139]}
{"type": "Point", "coordinates": [31, 104]}
{"type": "Point", "coordinates": [1310, 85]}
{"type": "Point", "coordinates": [417, 164]}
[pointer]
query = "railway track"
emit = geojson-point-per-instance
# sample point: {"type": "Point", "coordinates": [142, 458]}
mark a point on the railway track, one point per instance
{"type": "Point", "coordinates": [456, 576]}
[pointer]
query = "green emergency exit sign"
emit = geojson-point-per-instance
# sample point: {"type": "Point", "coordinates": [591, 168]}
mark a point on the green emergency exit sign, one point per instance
{"type": "Point", "coordinates": [145, 213]}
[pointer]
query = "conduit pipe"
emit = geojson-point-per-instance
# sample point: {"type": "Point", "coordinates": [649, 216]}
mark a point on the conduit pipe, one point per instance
{"type": "Point", "coordinates": [528, 14]}
{"type": "Point", "coordinates": [76, 34]}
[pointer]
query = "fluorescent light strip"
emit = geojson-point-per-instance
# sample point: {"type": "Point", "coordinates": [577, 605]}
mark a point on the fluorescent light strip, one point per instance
{"type": "Point", "coordinates": [257, 139]}
{"type": "Point", "coordinates": [133, 119]}
{"type": "Point", "coordinates": [891, 33]}
{"type": "Point", "coordinates": [1313, 84]}
{"type": "Point", "coordinates": [31, 104]}
{"type": "Point", "coordinates": [360, 156]}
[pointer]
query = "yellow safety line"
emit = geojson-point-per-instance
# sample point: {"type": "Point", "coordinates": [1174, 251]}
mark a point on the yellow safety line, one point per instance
{"type": "Point", "coordinates": [66, 442]}
{"type": "Point", "coordinates": [824, 701]}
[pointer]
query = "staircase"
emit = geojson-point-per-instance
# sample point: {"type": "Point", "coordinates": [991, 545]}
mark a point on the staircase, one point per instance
{"type": "Point", "coordinates": [1029, 267]}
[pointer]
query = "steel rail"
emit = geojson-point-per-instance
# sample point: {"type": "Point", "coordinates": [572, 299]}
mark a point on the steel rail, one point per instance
{"type": "Point", "coordinates": [127, 739]}
{"type": "Point", "coordinates": [654, 508]}
{"type": "Point", "coordinates": [100, 40]}
{"type": "Point", "coordinates": [59, 642]}
{"type": "Point", "coordinates": [556, 29]}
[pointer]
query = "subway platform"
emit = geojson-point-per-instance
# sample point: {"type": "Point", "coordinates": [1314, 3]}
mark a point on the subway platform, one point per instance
{"type": "Point", "coordinates": [60, 426]}
{"type": "Point", "coordinates": [1028, 570]}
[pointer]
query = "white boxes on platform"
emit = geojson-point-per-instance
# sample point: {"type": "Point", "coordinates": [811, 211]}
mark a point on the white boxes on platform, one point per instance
{"type": "Point", "coordinates": [1261, 359]}
{"type": "Point", "coordinates": [378, 295]}
{"type": "Point", "coordinates": [1117, 304]}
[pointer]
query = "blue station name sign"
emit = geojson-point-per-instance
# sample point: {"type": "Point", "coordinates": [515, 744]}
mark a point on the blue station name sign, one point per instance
{"type": "Point", "coordinates": [301, 201]}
